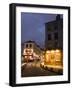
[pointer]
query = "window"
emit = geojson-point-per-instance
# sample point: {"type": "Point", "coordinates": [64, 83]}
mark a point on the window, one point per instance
{"type": "Point", "coordinates": [26, 45]}
{"type": "Point", "coordinates": [56, 27]}
{"type": "Point", "coordinates": [56, 44]}
{"type": "Point", "coordinates": [30, 45]}
{"type": "Point", "coordinates": [56, 36]}
{"type": "Point", "coordinates": [49, 29]}
{"type": "Point", "coordinates": [26, 51]}
{"type": "Point", "coordinates": [49, 36]}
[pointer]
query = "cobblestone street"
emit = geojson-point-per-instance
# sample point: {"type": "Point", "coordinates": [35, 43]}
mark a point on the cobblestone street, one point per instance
{"type": "Point", "coordinates": [34, 69]}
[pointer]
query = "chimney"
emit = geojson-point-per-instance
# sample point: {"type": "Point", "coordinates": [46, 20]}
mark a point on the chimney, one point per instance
{"type": "Point", "coordinates": [58, 17]}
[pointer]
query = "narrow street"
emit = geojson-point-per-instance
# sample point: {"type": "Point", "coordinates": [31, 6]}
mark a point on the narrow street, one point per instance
{"type": "Point", "coordinates": [34, 69]}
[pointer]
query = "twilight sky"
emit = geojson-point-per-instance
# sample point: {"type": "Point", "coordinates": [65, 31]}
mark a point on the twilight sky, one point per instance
{"type": "Point", "coordinates": [33, 26]}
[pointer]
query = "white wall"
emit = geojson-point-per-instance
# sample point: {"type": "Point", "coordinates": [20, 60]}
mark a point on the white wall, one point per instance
{"type": "Point", "coordinates": [4, 44]}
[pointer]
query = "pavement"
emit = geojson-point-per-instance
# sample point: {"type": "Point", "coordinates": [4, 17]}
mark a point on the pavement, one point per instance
{"type": "Point", "coordinates": [53, 66]}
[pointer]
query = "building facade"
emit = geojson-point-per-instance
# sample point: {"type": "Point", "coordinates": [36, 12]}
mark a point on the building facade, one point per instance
{"type": "Point", "coordinates": [54, 41]}
{"type": "Point", "coordinates": [31, 52]}
{"type": "Point", "coordinates": [54, 34]}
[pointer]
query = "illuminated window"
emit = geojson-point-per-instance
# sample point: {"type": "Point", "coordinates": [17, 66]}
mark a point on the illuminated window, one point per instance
{"type": "Point", "coordinates": [25, 56]}
{"type": "Point", "coordinates": [30, 57]}
{"type": "Point", "coordinates": [47, 51]}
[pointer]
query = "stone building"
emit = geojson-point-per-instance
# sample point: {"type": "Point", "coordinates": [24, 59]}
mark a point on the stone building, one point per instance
{"type": "Point", "coordinates": [54, 34]}
{"type": "Point", "coordinates": [54, 41]}
{"type": "Point", "coordinates": [32, 52]}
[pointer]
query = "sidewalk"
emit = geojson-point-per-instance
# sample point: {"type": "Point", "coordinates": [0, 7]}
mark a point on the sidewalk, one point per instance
{"type": "Point", "coordinates": [54, 68]}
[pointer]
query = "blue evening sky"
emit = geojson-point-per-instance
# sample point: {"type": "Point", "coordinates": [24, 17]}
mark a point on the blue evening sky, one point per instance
{"type": "Point", "coordinates": [33, 27]}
